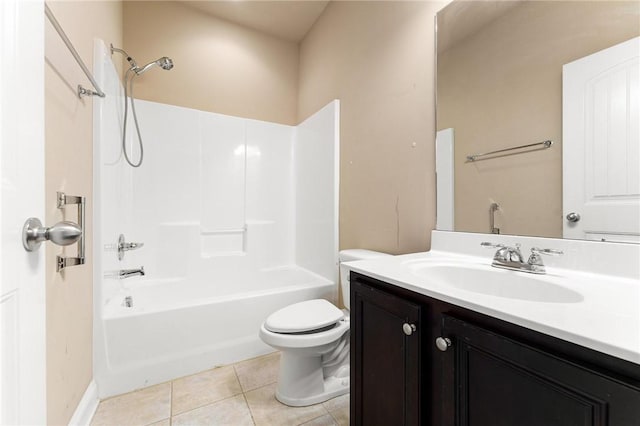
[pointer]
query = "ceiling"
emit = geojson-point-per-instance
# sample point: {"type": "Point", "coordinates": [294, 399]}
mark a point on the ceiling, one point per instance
{"type": "Point", "coordinates": [289, 20]}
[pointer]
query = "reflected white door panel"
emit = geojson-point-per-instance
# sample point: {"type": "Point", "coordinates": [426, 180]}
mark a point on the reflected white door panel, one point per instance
{"type": "Point", "coordinates": [601, 145]}
{"type": "Point", "coordinates": [444, 180]}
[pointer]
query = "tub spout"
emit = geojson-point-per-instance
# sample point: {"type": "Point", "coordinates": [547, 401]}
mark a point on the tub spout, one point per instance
{"type": "Point", "coordinates": [126, 273]}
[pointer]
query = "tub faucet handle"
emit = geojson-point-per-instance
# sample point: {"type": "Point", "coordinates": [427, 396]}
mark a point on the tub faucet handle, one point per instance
{"type": "Point", "coordinates": [124, 246]}
{"type": "Point", "coordinates": [131, 246]}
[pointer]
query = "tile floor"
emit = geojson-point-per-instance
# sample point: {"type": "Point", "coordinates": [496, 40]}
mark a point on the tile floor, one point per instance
{"type": "Point", "coordinates": [235, 395]}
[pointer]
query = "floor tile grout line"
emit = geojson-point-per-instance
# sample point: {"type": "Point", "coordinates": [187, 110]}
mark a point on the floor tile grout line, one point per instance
{"type": "Point", "coordinates": [249, 360]}
{"type": "Point", "coordinates": [317, 417]}
{"type": "Point", "coordinates": [244, 396]}
{"type": "Point", "coordinates": [235, 370]}
{"type": "Point", "coordinates": [246, 401]}
{"type": "Point", "coordinates": [206, 404]}
{"type": "Point", "coordinates": [334, 418]}
{"type": "Point", "coordinates": [171, 405]}
{"type": "Point", "coordinates": [210, 402]}
{"type": "Point", "coordinates": [214, 403]}
{"type": "Point", "coordinates": [260, 387]}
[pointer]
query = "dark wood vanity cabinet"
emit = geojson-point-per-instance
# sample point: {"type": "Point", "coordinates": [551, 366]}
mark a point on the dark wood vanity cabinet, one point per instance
{"type": "Point", "coordinates": [386, 345]}
{"type": "Point", "coordinates": [494, 380]}
{"type": "Point", "coordinates": [493, 373]}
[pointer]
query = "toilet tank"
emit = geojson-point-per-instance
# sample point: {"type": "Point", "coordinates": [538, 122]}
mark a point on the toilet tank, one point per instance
{"type": "Point", "coordinates": [348, 256]}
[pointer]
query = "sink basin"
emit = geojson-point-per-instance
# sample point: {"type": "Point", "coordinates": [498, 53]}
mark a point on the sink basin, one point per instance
{"type": "Point", "coordinates": [497, 282]}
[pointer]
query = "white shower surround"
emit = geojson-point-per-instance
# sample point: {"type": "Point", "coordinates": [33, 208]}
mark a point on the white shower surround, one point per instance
{"type": "Point", "coordinates": [238, 218]}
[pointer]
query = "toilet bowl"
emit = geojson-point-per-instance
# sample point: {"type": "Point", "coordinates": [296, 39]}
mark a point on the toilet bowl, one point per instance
{"type": "Point", "coordinates": [313, 337]}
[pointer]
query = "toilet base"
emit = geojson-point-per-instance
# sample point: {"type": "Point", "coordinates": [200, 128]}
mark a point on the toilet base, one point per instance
{"type": "Point", "coordinates": [302, 380]}
{"type": "Point", "coordinates": [334, 386]}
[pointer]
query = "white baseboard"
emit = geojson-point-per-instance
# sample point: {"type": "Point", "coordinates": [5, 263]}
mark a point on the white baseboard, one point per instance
{"type": "Point", "coordinates": [86, 407]}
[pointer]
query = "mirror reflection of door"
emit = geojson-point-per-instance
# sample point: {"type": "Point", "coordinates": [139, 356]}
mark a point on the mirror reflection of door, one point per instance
{"type": "Point", "coordinates": [444, 180]}
{"type": "Point", "coordinates": [601, 145]}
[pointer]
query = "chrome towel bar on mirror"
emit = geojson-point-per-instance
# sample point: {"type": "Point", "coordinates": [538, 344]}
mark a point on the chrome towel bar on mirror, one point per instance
{"type": "Point", "coordinates": [62, 233]}
{"type": "Point", "coordinates": [543, 145]}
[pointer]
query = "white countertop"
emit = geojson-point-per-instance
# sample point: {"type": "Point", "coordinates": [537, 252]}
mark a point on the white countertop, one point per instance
{"type": "Point", "coordinates": [606, 320]}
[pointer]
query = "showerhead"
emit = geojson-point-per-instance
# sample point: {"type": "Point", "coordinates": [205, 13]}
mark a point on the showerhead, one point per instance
{"type": "Point", "coordinates": [164, 63]}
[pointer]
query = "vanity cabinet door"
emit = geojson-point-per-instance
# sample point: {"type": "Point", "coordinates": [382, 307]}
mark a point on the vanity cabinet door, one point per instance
{"type": "Point", "coordinates": [490, 380]}
{"type": "Point", "coordinates": [385, 358]}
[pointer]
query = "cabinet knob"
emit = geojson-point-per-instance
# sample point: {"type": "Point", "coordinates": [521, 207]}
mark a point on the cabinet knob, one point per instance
{"type": "Point", "coordinates": [443, 343]}
{"type": "Point", "coordinates": [408, 328]}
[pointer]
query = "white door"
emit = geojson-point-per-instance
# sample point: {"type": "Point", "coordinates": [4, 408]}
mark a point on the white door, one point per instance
{"type": "Point", "coordinates": [444, 180]}
{"type": "Point", "coordinates": [601, 145]}
{"type": "Point", "coordinates": [22, 280]}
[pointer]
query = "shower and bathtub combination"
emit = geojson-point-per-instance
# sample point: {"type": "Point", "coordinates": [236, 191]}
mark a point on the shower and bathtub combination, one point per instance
{"type": "Point", "coordinates": [238, 218]}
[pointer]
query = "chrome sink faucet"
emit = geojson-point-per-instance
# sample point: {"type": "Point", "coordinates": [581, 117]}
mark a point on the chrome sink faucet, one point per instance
{"type": "Point", "coordinates": [507, 257]}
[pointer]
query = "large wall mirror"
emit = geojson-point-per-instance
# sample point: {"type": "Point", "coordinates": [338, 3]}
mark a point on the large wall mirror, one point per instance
{"type": "Point", "coordinates": [512, 75]}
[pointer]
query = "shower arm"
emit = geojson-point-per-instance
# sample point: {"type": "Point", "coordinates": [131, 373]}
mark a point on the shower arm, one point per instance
{"type": "Point", "coordinates": [134, 64]}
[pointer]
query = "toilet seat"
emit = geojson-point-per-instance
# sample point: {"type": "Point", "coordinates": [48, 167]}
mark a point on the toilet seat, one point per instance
{"type": "Point", "coordinates": [304, 317]}
{"type": "Point", "coordinates": [283, 341]}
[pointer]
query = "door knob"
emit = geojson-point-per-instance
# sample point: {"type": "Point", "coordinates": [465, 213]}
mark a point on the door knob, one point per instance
{"type": "Point", "coordinates": [408, 328]}
{"type": "Point", "coordinates": [62, 233]}
{"type": "Point", "coordinates": [443, 343]}
{"type": "Point", "coordinates": [573, 217]}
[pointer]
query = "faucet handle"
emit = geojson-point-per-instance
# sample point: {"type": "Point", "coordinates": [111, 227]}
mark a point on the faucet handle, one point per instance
{"type": "Point", "coordinates": [491, 245]}
{"type": "Point", "coordinates": [131, 246]}
{"type": "Point", "coordinates": [124, 246]}
{"type": "Point", "coordinates": [505, 253]}
{"type": "Point", "coordinates": [549, 252]}
{"type": "Point", "coordinates": [535, 260]}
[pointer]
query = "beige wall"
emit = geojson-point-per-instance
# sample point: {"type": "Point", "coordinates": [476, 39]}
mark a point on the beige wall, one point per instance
{"type": "Point", "coordinates": [219, 66]}
{"type": "Point", "coordinates": [502, 87]}
{"type": "Point", "coordinates": [377, 58]}
{"type": "Point", "coordinates": [68, 167]}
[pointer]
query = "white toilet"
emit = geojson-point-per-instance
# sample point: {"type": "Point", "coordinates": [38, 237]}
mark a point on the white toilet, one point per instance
{"type": "Point", "coordinates": [313, 337]}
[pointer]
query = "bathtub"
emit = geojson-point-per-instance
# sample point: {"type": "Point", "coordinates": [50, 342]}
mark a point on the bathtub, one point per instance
{"type": "Point", "coordinates": [175, 327]}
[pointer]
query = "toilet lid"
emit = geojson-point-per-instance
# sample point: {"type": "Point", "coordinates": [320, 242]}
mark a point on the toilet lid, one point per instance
{"type": "Point", "coordinates": [303, 316]}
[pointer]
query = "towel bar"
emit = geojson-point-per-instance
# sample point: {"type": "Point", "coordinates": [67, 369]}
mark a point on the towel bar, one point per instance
{"type": "Point", "coordinates": [543, 145]}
